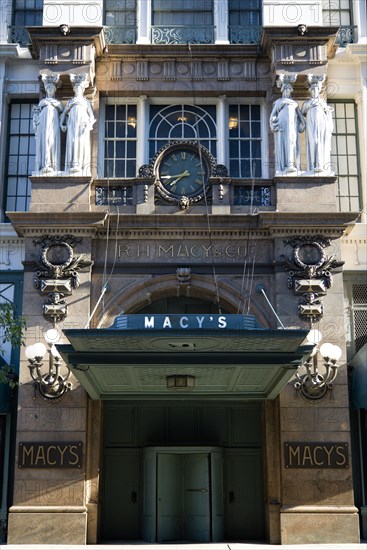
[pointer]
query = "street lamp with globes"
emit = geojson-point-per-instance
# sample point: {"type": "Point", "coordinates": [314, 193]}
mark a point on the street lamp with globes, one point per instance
{"type": "Point", "coordinates": [316, 383]}
{"type": "Point", "coordinates": [51, 384]}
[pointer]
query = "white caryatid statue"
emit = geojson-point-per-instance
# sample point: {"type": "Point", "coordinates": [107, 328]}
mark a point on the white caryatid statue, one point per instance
{"type": "Point", "coordinates": [286, 121]}
{"type": "Point", "coordinates": [319, 127]}
{"type": "Point", "coordinates": [77, 120]}
{"type": "Point", "coordinates": [46, 117]}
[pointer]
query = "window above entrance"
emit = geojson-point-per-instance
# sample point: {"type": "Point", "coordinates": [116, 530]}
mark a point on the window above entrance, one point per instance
{"type": "Point", "coordinates": [183, 21]}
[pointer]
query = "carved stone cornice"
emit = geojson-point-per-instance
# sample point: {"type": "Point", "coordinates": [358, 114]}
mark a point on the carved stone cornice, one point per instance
{"type": "Point", "coordinates": [358, 51]}
{"type": "Point", "coordinates": [200, 51]}
{"type": "Point", "coordinates": [32, 224]}
{"type": "Point", "coordinates": [292, 53]}
{"type": "Point", "coordinates": [42, 36]}
{"type": "Point", "coordinates": [74, 52]}
{"type": "Point", "coordinates": [54, 180]}
{"type": "Point", "coordinates": [126, 75]}
{"type": "Point", "coordinates": [9, 51]}
{"type": "Point", "coordinates": [277, 224]}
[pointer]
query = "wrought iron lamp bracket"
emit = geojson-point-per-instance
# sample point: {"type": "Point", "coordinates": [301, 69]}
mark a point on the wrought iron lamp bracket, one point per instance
{"type": "Point", "coordinates": [51, 384]}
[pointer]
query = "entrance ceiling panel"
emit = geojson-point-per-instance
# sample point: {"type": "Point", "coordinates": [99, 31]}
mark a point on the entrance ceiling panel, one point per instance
{"type": "Point", "coordinates": [228, 364]}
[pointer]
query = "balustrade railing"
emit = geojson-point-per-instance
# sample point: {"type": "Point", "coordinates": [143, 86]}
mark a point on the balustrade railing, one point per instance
{"type": "Point", "coordinates": [248, 195]}
{"type": "Point", "coordinates": [113, 195]}
{"type": "Point", "coordinates": [19, 35]}
{"type": "Point", "coordinates": [250, 34]}
{"type": "Point", "coordinates": [347, 34]}
{"type": "Point", "coordinates": [201, 34]}
{"type": "Point", "coordinates": [120, 35]}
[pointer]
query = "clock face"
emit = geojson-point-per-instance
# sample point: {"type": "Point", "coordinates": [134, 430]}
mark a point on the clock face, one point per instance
{"type": "Point", "coordinates": [183, 171]}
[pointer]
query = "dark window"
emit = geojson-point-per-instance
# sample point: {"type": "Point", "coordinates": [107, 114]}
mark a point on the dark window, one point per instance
{"type": "Point", "coordinates": [339, 13]}
{"type": "Point", "coordinates": [244, 13]}
{"type": "Point", "coordinates": [20, 156]}
{"type": "Point", "coordinates": [344, 156]}
{"type": "Point", "coordinates": [336, 12]}
{"type": "Point", "coordinates": [244, 141]}
{"type": "Point", "coordinates": [120, 141]}
{"type": "Point", "coordinates": [28, 13]}
{"type": "Point", "coordinates": [359, 310]}
{"type": "Point", "coordinates": [182, 22]}
{"type": "Point", "coordinates": [120, 12]}
{"type": "Point", "coordinates": [182, 12]}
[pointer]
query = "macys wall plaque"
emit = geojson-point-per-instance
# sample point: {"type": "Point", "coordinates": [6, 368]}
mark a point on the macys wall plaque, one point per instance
{"type": "Point", "coordinates": [316, 455]}
{"type": "Point", "coordinates": [55, 454]}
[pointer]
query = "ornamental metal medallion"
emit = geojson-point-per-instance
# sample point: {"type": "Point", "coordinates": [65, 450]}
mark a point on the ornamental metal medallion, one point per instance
{"type": "Point", "coordinates": [309, 273]}
{"type": "Point", "coordinates": [57, 273]}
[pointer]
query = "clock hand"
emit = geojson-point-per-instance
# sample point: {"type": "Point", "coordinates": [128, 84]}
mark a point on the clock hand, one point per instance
{"type": "Point", "coordinates": [185, 173]}
{"type": "Point", "coordinates": [178, 178]}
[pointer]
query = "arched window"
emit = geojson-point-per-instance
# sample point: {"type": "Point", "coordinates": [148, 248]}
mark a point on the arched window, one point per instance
{"type": "Point", "coordinates": [182, 122]}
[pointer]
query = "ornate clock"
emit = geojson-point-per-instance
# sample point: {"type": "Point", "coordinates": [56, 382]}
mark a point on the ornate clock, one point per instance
{"type": "Point", "coordinates": [182, 171]}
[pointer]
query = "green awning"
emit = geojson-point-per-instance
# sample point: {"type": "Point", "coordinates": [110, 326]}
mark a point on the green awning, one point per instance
{"type": "Point", "coordinates": [228, 360]}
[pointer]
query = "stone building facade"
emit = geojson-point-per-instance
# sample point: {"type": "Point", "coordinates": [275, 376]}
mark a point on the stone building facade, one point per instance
{"type": "Point", "coordinates": [172, 268]}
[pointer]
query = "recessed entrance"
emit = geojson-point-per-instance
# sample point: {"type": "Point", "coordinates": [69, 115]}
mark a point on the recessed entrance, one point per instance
{"type": "Point", "coordinates": [182, 472]}
{"type": "Point", "coordinates": [181, 490]}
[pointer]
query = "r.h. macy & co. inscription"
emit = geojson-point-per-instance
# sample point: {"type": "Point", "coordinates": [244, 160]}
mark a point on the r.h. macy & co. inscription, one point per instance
{"type": "Point", "coordinates": [181, 250]}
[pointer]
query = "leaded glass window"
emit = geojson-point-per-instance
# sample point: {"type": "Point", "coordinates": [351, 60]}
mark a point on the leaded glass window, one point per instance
{"type": "Point", "coordinates": [344, 156]}
{"type": "Point", "coordinates": [21, 156]}
{"type": "Point", "coordinates": [120, 141]}
{"type": "Point", "coordinates": [182, 122]}
{"type": "Point", "coordinates": [244, 127]}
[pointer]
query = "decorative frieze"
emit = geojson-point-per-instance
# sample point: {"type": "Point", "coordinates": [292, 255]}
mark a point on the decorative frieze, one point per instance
{"type": "Point", "coordinates": [302, 53]}
{"type": "Point", "coordinates": [169, 70]}
{"type": "Point", "coordinates": [142, 70]}
{"type": "Point", "coordinates": [223, 70]}
{"type": "Point", "coordinates": [214, 69]}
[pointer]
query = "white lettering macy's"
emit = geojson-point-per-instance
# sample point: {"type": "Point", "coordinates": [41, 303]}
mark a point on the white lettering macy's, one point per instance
{"type": "Point", "coordinates": [184, 322]}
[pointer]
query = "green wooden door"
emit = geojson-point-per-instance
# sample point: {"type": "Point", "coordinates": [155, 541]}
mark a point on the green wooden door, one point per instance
{"type": "Point", "coordinates": [197, 494]}
{"type": "Point", "coordinates": [169, 497]}
{"type": "Point", "coordinates": [120, 512]}
{"type": "Point", "coordinates": [244, 497]}
{"type": "Point", "coordinates": [183, 497]}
